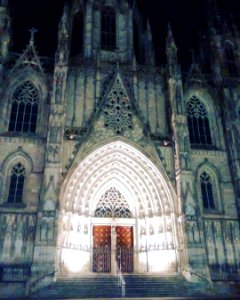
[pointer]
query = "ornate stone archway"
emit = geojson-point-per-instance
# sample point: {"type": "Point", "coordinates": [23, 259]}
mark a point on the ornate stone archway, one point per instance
{"type": "Point", "coordinates": [150, 199]}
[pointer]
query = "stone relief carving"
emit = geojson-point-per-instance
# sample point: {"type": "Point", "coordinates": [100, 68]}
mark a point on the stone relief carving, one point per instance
{"type": "Point", "coordinates": [221, 244]}
{"type": "Point", "coordinates": [54, 135]}
{"type": "Point", "coordinates": [17, 237]}
{"type": "Point", "coordinates": [192, 230]}
{"type": "Point", "coordinates": [53, 155]}
{"type": "Point", "coordinates": [185, 161]}
{"type": "Point", "coordinates": [59, 82]}
{"type": "Point", "coordinates": [179, 98]}
{"type": "Point", "coordinates": [47, 225]}
{"type": "Point", "coordinates": [47, 230]}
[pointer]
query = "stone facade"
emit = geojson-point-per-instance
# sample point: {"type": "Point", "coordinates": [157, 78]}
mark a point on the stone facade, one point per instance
{"type": "Point", "coordinates": [109, 139]}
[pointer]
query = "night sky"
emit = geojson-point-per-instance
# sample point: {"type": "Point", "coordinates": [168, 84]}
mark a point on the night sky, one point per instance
{"type": "Point", "coordinates": [187, 17]}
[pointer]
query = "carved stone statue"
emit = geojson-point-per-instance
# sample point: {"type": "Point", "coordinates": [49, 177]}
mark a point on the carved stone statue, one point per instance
{"type": "Point", "coordinates": [59, 82]}
{"type": "Point", "coordinates": [53, 154]}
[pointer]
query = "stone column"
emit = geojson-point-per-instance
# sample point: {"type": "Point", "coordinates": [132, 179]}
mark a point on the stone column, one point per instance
{"type": "Point", "coordinates": [113, 250]}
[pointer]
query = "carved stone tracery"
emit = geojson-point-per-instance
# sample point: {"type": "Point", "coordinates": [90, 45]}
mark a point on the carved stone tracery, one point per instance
{"type": "Point", "coordinates": [117, 111]}
{"type": "Point", "coordinates": [113, 204]}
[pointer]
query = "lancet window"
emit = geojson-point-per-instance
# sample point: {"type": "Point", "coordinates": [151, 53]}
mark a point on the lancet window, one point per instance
{"type": "Point", "coordinates": [207, 190]}
{"type": "Point", "coordinates": [113, 204]}
{"type": "Point", "coordinates": [16, 183]}
{"type": "Point", "coordinates": [198, 123]}
{"type": "Point", "coordinates": [24, 109]}
{"type": "Point", "coordinates": [108, 28]}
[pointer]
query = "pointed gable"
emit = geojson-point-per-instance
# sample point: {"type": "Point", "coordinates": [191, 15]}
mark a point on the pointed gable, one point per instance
{"type": "Point", "coordinates": [29, 58]}
{"type": "Point", "coordinates": [195, 77]}
{"type": "Point", "coordinates": [117, 107]}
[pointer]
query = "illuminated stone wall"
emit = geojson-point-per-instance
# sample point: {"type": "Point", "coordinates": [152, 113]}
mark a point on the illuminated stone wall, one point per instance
{"type": "Point", "coordinates": [109, 120]}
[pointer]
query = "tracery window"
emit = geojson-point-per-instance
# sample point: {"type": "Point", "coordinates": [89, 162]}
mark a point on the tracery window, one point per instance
{"type": "Point", "coordinates": [16, 183]}
{"type": "Point", "coordinates": [24, 109]}
{"type": "Point", "coordinates": [207, 191]}
{"type": "Point", "coordinates": [112, 204]}
{"type": "Point", "coordinates": [117, 112]}
{"type": "Point", "coordinates": [108, 28]}
{"type": "Point", "coordinates": [230, 60]}
{"type": "Point", "coordinates": [198, 123]}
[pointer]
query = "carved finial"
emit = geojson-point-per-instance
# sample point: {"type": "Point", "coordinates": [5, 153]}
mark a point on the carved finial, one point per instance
{"type": "Point", "coordinates": [170, 38]}
{"type": "Point", "coordinates": [32, 31]}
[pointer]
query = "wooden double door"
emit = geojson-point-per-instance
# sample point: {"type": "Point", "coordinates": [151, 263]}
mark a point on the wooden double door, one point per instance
{"type": "Point", "coordinates": [110, 245]}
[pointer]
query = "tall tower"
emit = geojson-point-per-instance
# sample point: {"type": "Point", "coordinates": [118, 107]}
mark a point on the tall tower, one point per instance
{"type": "Point", "coordinates": [225, 43]}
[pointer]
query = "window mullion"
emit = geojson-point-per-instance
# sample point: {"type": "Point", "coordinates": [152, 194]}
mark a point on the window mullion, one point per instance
{"type": "Point", "coordinates": [23, 117]}
{"type": "Point", "coordinates": [30, 118]}
{"type": "Point", "coordinates": [17, 112]}
{"type": "Point", "coordinates": [16, 188]}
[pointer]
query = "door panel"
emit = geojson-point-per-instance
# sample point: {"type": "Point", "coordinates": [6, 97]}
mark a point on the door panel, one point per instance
{"type": "Point", "coordinates": [102, 249]}
{"type": "Point", "coordinates": [125, 248]}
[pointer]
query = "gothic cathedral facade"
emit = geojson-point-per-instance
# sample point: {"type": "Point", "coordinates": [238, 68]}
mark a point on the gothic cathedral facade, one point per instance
{"type": "Point", "coordinates": [107, 160]}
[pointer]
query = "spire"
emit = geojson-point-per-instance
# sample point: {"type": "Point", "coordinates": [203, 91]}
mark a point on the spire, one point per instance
{"type": "Point", "coordinates": [29, 56]}
{"type": "Point", "coordinates": [63, 34]}
{"type": "Point", "coordinates": [171, 51]}
{"type": "Point", "coordinates": [170, 38]}
{"type": "Point", "coordinates": [149, 49]}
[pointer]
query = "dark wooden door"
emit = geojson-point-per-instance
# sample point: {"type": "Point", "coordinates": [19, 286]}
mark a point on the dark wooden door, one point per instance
{"type": "Point", "coordinates": [102, 249]}
{"type": "Point", "coordinates": [125, 248]}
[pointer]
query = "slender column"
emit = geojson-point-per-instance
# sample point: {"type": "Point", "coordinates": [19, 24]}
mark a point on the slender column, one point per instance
{"type": "Point", "coordinates": [113, 249]}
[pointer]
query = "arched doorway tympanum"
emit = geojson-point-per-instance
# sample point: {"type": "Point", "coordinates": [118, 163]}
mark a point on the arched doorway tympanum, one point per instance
{"type": "Point", "coordinates": [117, 208]}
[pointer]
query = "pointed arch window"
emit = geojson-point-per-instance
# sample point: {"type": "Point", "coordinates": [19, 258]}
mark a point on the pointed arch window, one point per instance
{"type": "Point", "coordinates": [16, 183]}
{"type": "Point", "coordinates": [230, 60]}
{"type": "Point", "coordinates": [108, 28]}
{"type": "Point", "coordinates": [24, 109]}
{"type": "Point", "coordinates": [207, 191]}
{"type": "Point", "coordinates": [198, 123]}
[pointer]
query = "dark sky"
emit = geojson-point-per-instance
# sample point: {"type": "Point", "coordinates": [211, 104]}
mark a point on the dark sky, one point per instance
{"type": "Point", "coordinates": [187, 17]}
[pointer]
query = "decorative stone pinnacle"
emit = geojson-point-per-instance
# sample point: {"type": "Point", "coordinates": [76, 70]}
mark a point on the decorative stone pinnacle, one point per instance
{"type": "Point", "coordinates": [32, 31]}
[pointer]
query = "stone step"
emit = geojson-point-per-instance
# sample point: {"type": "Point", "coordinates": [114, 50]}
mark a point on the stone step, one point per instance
{"type": "Point", "coordinates": [106, 287]}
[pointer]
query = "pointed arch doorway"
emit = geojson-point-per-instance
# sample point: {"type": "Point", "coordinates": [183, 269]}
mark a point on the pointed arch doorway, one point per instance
{"type": "Point", "coordinates": [115, 192]}
{"type": "Point", "coordinates": [113, 243]}
{"type": "Point", "coordinates": [112, 248]}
